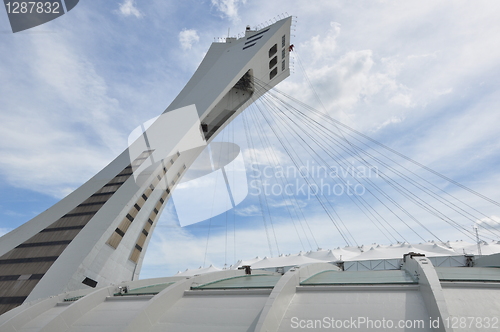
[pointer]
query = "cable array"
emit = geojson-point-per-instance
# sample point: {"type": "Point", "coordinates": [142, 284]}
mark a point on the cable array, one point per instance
{"type": "Point", "coordinates": [400, 200]}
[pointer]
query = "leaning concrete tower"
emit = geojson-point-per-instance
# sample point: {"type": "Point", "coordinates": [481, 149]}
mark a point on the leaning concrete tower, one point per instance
{"type": "Point", "coordinates": [98, 234]}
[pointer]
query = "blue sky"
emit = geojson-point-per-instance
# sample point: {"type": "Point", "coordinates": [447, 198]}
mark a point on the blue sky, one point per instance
{"type": "Point", "coordinates": [420, 76]}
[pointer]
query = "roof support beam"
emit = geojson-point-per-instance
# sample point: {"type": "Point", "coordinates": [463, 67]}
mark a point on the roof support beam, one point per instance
{"type": "Point", "coordinates": [74, 311]}
{"type": "Point", "coordinates": [277, 304]}
{"type": "Point", "coordinates": [64, 320]}
{"type": "Point", "coordinates": [166, 299]}
{"type": "Point", "coordinates": [17, 317]}
{"type": "Point", "coordinates": [430, 288]}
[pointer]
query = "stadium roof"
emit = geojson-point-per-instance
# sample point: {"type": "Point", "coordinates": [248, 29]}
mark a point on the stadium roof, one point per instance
{"type": "Point", "coordinates": [288, 292]}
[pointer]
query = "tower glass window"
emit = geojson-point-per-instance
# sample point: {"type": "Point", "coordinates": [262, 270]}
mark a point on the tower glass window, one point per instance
{"type": "Point", "coordinates": [273, 50]}
{"type": "Point", "coordinates": [273, 62]}
{"type": "Point", "coordinates": [273, 73]}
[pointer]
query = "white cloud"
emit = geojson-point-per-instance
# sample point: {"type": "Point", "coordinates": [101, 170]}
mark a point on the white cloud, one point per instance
{"type": "Point", "coordinates": [463, 140]}
{"type": "Point", "coordinates": [4, 231]}
{"type": "Point", "coordinates": [66, 130]}
{"type": "Point", "coordinates": [127, 8]}
{"type": "Point", "coordinates": [287, 202]}
{"type": "Point", "coordinates": [444, 92]}
{"type": "Point", "coordinates": [392, 120]}
{"type": "Point", "coordinates": [402, 98]}
{"type": "Point", "coordinates": [322, 48]}
{"type": "Point", "coordinates": [167, 242]}
{"type": "Point", "coordinates": [347, 82]}
{"type": "Point", "coordinates": [251, 210]}
{"type": "Point", "coordinates": [228, 8]}
{"type": "Point", "coordinates": [187, 38]}
{"type": "Point", "coordinates": [266, 156]}
{"type": "Point", "coordinates": [490, 223]}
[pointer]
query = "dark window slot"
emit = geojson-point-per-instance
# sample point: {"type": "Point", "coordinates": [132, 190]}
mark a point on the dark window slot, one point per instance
{"type": "Point", "coordinates": [12, 299]}
{"type": "Point", "coordinates": [258, 34]}
{"type": "Point", "coordinates": [59, 229]}
{"type": "Point", "coordinates": [43, 244]}
{"type": "Point", "coordinates": [37, 276]}
{"type": "Point", "coordinates": [273, 50]}
{"type": "Point", "coordinates": [273, 62]}
{"type": "Point", "coordinates": [248, 46]}
{"type": "Point", "coordinates": [219, 124]}
{"type": "Point", "coordinates": [125, 174]}
{"type": "Point", "coordinates": [69, 215]}
{"type": "Point", "coordinates": [16, 277]}
{"type": "Point", "coordinates": [113, 184]}
{"type": "Point", "coordinates": [104, 194]}
{"type": "Point", "coordinates": [9, 278]}
{"type": "Point", "coordinates": [120, 232]}
{"type": "Point", "coordinates": [28, 260]}
{"type": "Point", "coordinates": [273, 73]}
{"type": "Point", "coordinates": [89, 282]}
{"type": "Point", "coordinates": [249, 41]}
{"type": "Point", "coordinates": [90, 204]}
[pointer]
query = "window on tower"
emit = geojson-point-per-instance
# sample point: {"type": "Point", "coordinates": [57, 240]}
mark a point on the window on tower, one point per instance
{"type": "Point", "coordinates": [273, 50]}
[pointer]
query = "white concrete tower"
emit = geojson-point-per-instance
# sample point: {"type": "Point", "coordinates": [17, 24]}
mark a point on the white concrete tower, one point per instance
{"type": "Point", "coordinates": [98, 234]}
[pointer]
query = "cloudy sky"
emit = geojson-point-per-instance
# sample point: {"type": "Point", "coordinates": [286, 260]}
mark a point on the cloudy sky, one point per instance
{"type": "Point", "coordinates": [422, 77]}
